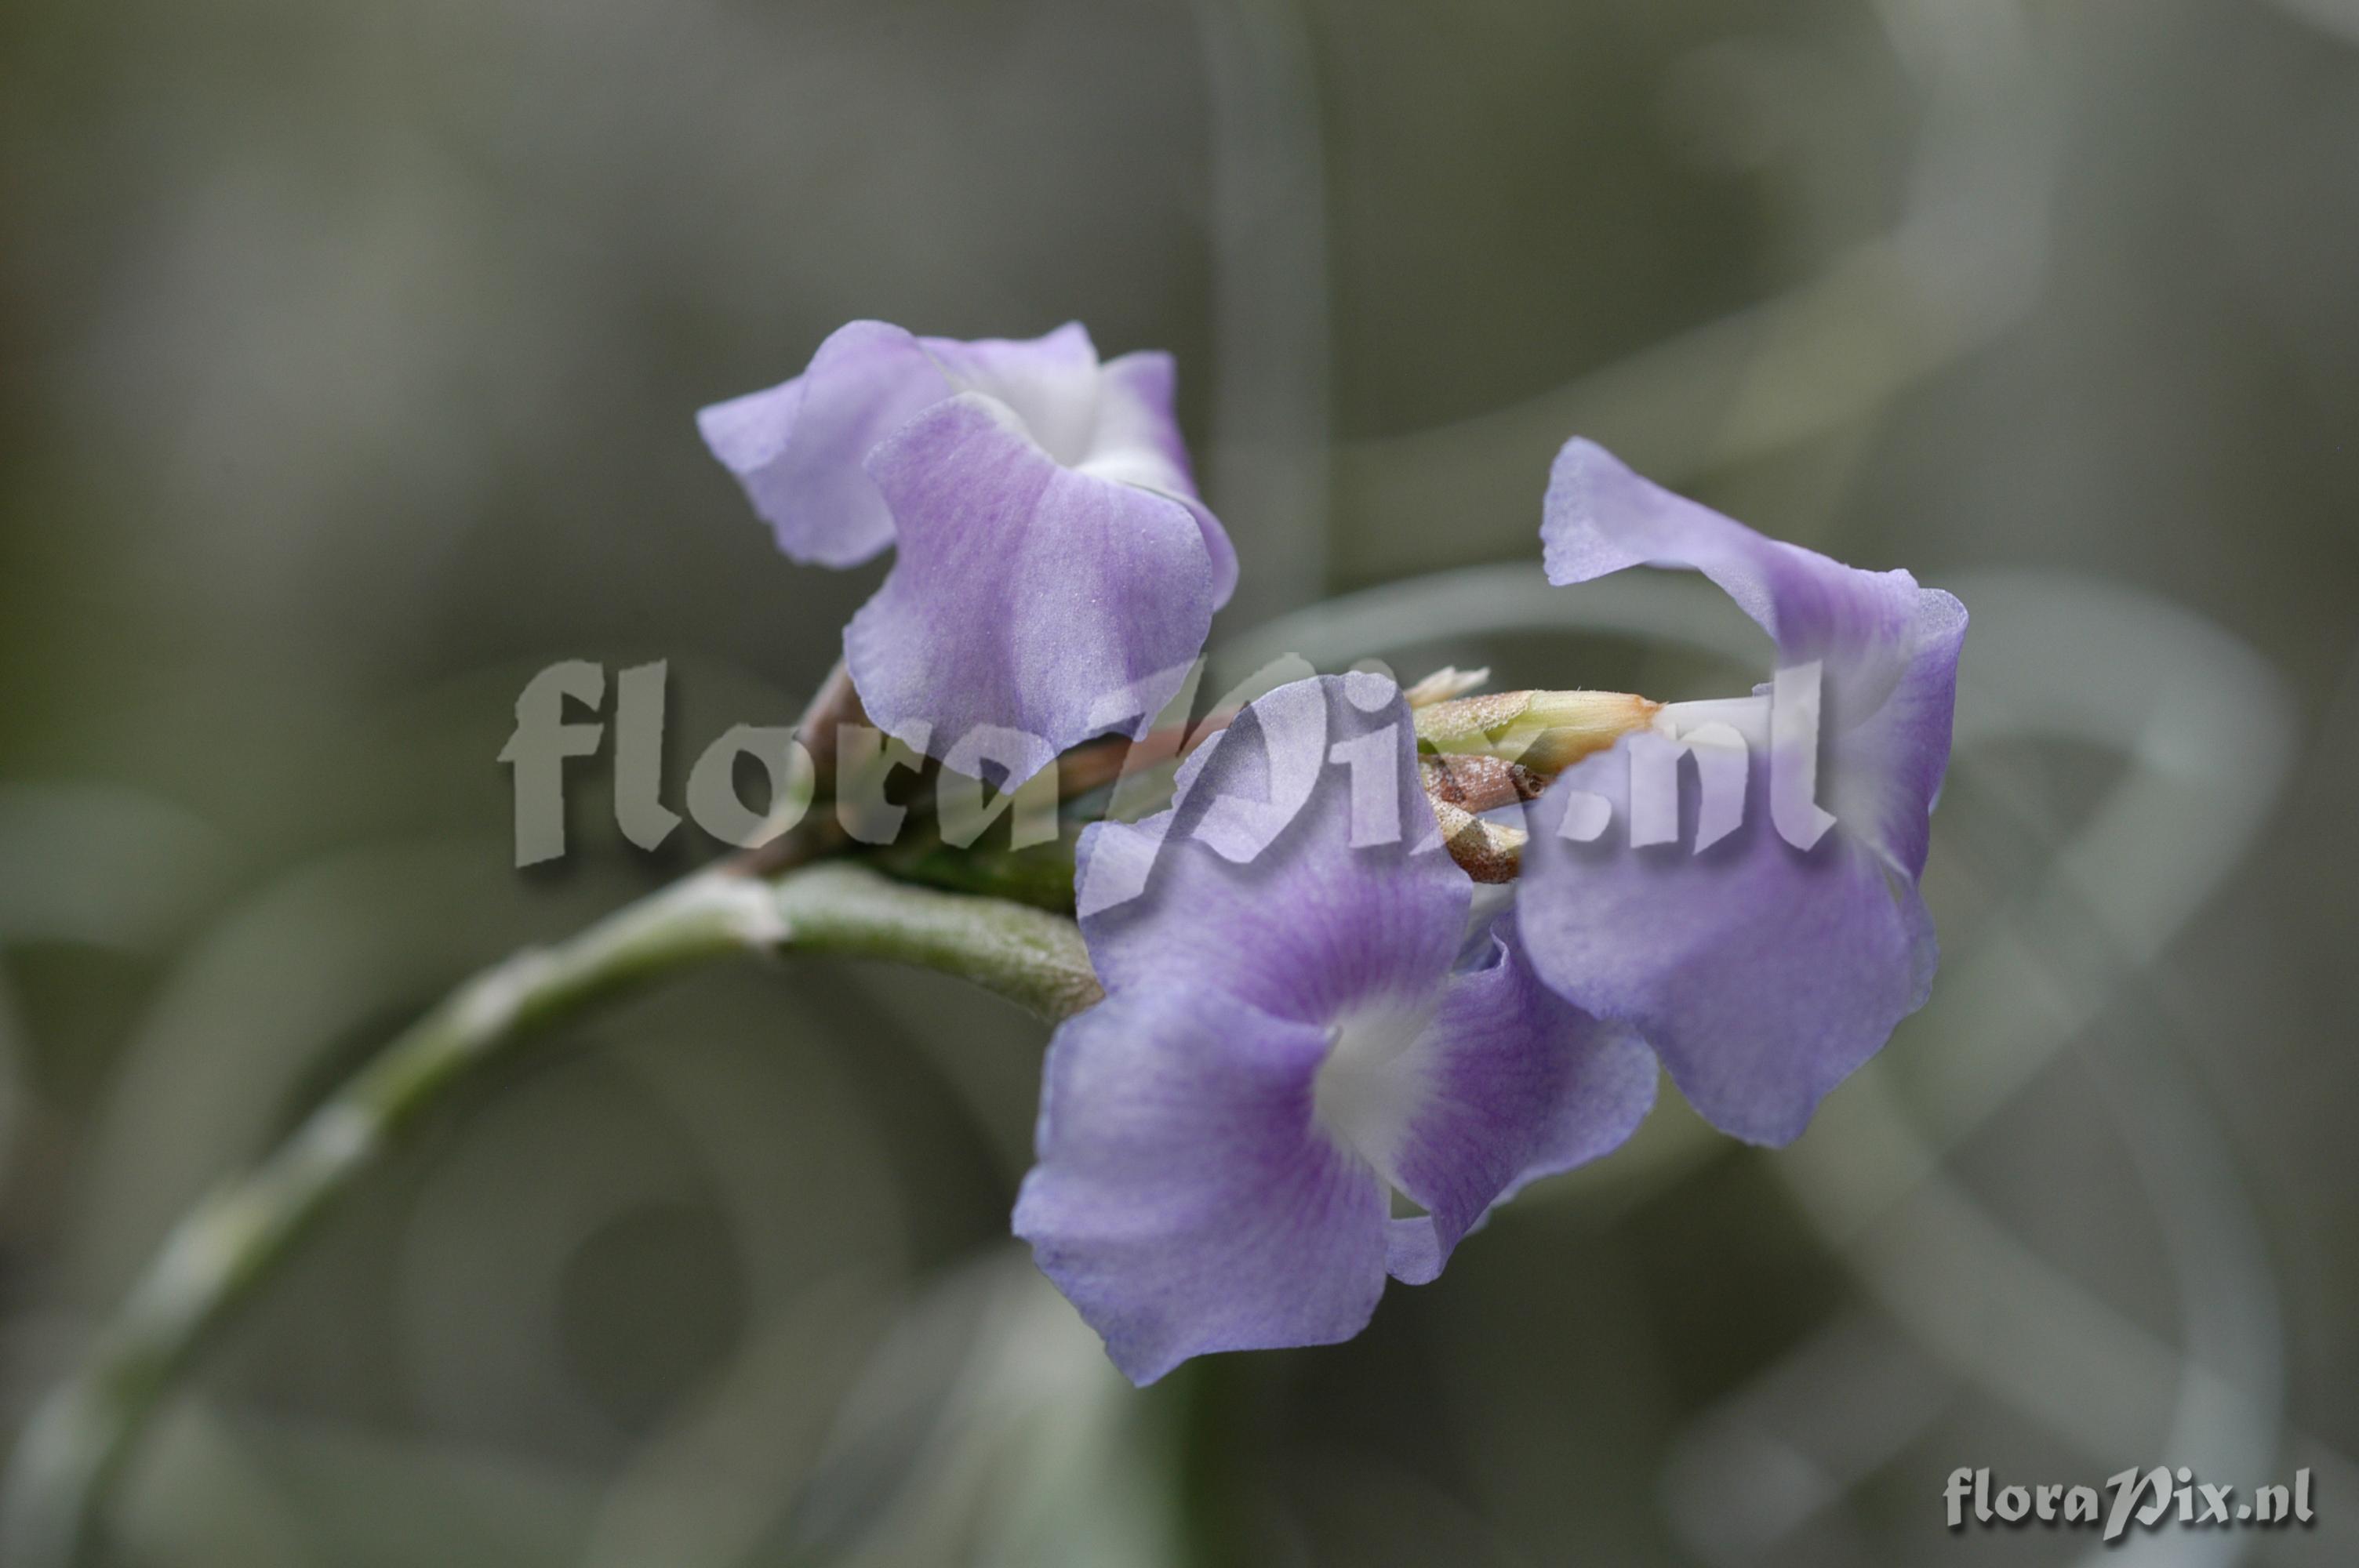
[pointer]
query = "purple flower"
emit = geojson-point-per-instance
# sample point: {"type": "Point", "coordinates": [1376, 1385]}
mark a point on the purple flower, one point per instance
{"type": "Point", "coordinates": [1296, 1026]}
{"type": "Point", "coordinates": [1762, 973]}
{"type": "Point", "coordinates": [1056, 572]}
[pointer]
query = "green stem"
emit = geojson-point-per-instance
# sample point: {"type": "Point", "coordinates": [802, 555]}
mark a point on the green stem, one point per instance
{"type": "Point", "coordinates": [78, 1442]}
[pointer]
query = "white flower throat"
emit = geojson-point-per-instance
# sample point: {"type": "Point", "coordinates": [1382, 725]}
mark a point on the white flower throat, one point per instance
{"type": "Point", "coordinates": [1374, 1081]}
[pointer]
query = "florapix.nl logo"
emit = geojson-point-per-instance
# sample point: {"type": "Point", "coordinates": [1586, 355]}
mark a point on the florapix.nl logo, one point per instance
{"type": "Point", "coordinates": [2150, 1499]}
{"type": "Point", "coordinates": [563, 716]}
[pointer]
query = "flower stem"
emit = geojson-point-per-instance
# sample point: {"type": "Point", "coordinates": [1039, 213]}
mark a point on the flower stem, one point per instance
{"type": "Point", "coordinates": [76, 1443]}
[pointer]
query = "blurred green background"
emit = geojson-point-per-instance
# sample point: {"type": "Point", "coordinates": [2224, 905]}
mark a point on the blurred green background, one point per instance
{"type": "Point", "coordinates": [347, 359]}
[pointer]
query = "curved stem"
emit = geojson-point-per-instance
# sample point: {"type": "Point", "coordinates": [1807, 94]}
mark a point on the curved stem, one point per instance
{"type": "Point", "coordinates": [78, 1442]}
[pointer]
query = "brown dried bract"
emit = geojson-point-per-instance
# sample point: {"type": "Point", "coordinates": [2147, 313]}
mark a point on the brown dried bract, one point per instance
{"type": "Point", "coordinates": [1477, 784]}
{"type": "Point", "coordinates": [1487, 851]}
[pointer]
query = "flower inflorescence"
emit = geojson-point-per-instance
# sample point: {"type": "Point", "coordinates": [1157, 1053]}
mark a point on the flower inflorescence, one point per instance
{"type": "Point", "coordinates": [1309, 1021]}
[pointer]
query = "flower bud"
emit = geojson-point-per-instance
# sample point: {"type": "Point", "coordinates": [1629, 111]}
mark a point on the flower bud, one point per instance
{"type": "Point", "coordinates": [1546, 731]}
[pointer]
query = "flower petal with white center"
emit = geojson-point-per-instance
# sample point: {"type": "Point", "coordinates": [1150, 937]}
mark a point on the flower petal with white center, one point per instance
{"type": "Point", "coordinates": [1085, 568]}
{"type": "Point", "coordinates": [1023, 594]}
{"type": "Point", "coordinates": [1183, 1200]}
{"type": "Point", "coordinates": [1285, 1037]}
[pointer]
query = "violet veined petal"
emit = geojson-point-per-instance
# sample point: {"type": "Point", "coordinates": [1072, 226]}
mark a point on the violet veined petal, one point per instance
{"type": "Point", "coordinates": [1137, 441]}
{"type": "Point", "coordinates": [1884, 773]}
{"type": "Point", "coordinates": [1599, 517]}
{"type": "Point", "coordinates": [1761, 974]}
{"type": "Point", "coordinates": [1024, 595]}
{"type": "Point", "coordinates": [798, 448]}
{"type": "Point", "coordinates": [1304, 924]}
{"type": "Point", "coordinates": [1509, 1083]}
{"type": "Point", "coordinates": [1184, 1201]}
{"type": "Point", "coordinates": [1115, 420]}
{"type": "Point", "coordinates": [1046, 596]}
{"type": "Point", "coordinates": [1051, 383]}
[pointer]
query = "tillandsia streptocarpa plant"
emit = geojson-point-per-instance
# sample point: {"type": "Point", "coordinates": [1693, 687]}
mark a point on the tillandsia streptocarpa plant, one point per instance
{"type": "Point", "coordinates": [1334, 971]}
